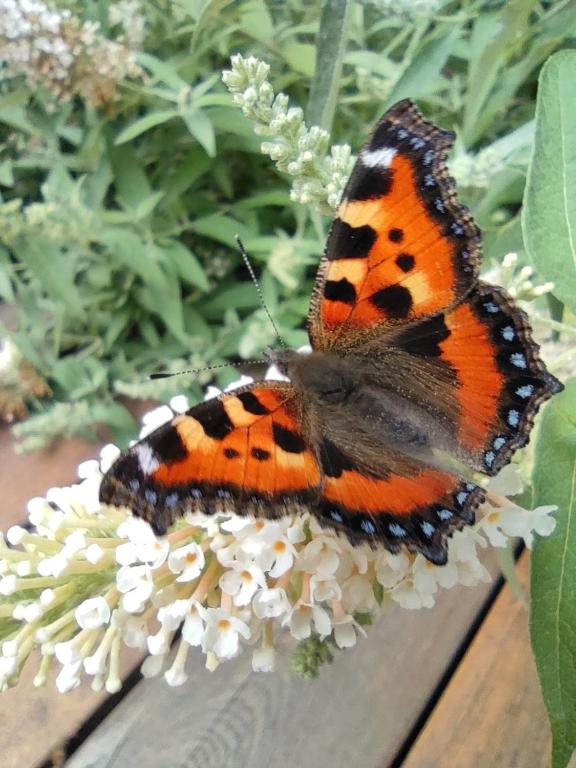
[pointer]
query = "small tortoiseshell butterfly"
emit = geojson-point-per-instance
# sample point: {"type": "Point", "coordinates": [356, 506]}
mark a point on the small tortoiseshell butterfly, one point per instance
{"type": "Point", "coordinates": [419, 373]}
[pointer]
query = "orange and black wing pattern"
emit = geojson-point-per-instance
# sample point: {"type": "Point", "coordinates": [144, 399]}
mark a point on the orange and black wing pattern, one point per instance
{"type": "Point", "coordinates": [489, 368]}
{"type": "Point", "coordinates": [414, 507]}
{"type": "Point", "coordinates": [241, 452]}
{"type": "Point", "coordinates": [401, 248]}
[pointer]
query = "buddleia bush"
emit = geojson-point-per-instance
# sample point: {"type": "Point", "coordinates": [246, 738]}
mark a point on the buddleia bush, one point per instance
{"type": "Point", "coordinates": [127, 168]}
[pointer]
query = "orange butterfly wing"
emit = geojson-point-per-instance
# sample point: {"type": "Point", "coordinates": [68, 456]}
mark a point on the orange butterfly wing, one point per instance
{"type": "Point", "coordinates": [413, 506]}
{"type": "Point", "coordinates": [401, 248]}
{"type": "Point", "coordinates": [242, 452]}
{"type": "Point", "coordinates": [489, 367]}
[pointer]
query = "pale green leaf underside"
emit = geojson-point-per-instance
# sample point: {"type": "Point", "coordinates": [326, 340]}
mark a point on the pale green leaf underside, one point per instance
{"type": "Point", "coordinates": [549, 212]}
{"type": "Point", "coordinates": [553, 587]}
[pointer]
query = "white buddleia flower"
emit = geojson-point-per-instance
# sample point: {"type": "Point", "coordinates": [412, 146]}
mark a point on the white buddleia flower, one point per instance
{"type": "Point", "coordinates": [81, 581]}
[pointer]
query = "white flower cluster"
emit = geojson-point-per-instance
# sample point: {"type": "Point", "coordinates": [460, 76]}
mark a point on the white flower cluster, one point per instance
{"type": "Point", "coordinates": [477, 170]}
{"type": "Point", "coordinates": [128, 15]}
{"type": "Point", "coordinates": [408, 9]}
{"type": "Point", "coordinates": [81, 581]}
{"type": "Point", "coordinates": [53, 50]}
{"type": "Point", "coordinates": [297, 150]}
{"type": "Point", "coordinates": [517, 281]}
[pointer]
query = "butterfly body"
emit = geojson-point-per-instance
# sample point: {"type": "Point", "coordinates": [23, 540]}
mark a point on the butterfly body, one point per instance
{"type": "Point", "coordinates": [419, 376]}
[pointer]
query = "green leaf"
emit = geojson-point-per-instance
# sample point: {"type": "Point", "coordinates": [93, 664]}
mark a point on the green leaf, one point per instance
{"type": "Point", "coordinates": [425, 68]}
{"type": "Point", "coordinates": [130, 251]}
{"type": "Point", "coordinates": [146, 206]}
{"type": "Point", "coordinates": [185, 263]}
{"type": "Point", "coordinates": [131, 180]}
{"type": "Point", "coordinates": [162, 70]}
{"type": "Point", "coordinates": [256, 20]}
{"type": "Point", "coordinates": [553, 577]}
{"type": "Point", "coordinates": [221, 228]}
{"type": "Point", "coordinates": [200, 126]}
{"type": "Point", "coordinates": [496, 39]}
{"type": "Point", "coordinates": [549, 211]}
{"type": "Point", "coordinates": [301, 57]}
{"type": "Point", "coordinates": [330, 47]}
{"type": "Point", "coordinates": [50, 266]}
{"type": "Point", "coordinates": [116, 415]}
{"type": "Point", "coordinates": [143, 124]}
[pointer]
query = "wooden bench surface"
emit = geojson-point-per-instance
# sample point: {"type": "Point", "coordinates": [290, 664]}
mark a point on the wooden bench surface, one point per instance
{"type": "Point", "coordinates": [415, 693]}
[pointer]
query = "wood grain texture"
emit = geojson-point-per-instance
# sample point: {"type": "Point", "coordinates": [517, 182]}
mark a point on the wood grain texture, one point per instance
{"type": "Point", "coordinates": [357, 713]}
{"type": "Point", "coordinates": [491, 715]}
{"type": "Point", "coordinates": [28, 475]}
{"type": "Point", "coordinates": [34, 722]}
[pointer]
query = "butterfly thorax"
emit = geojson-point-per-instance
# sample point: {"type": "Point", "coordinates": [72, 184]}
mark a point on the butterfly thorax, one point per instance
{"type": "Point", "coordinates": [323, 378]}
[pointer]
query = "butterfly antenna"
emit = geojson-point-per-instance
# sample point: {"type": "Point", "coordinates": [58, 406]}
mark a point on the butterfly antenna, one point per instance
{"type": "Point", "coordinates": [168, 375]}
{"type": "Point", "coordinates": [258, 289]}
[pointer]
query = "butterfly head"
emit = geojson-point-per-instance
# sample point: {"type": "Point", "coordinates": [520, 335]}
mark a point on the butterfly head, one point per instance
{"type": "Point", "coordinates": [321, 377]}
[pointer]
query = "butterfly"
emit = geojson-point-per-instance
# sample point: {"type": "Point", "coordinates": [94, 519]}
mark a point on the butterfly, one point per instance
{"type": "Point", "coordinates": [420, 376]}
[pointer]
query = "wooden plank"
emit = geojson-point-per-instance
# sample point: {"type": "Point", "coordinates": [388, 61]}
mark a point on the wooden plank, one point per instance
{"type": "Point", "coordinates": [357, 713]}
{"type": "Point", "coordinates": [34, 722]}
{"type": "Point", "coordinates": [28, 475]}
{"type": "Point", "coordinates": [492, 713]}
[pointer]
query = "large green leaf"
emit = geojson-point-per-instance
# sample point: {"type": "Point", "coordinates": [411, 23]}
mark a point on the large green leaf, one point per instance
{"type": "Point", "coordinates": [549, 213]}
{"type": "Point", "coordinates": [553, 588]}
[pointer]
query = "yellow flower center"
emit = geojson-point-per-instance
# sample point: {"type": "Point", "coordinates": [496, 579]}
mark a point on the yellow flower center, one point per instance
{"type": "Point", "coordinates": [224, 625]}
{"type": "Point", "coordinates": [191, 557]}
{"type": "Point", "coordinates": [493, 517]}
{"type": "Point", "coordinates": [279, 546]}
{"type": "Point", "coordinates": [246, 576]}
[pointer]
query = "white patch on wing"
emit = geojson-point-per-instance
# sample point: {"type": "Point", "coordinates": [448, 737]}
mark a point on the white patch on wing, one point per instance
{"type": "Point", "coordinates": [379, 157]}
{"type": "Point", "coordinates": [148, 462]}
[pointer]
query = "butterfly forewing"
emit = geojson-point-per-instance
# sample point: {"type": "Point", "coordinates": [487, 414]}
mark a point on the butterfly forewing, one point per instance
{"type": "Point", "coordinates": [401, 247]}
{"type": "Point", "coordinates": [243, 452]}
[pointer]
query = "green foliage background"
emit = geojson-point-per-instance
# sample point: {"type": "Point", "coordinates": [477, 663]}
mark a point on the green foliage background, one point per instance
{"type": "Point", "coordinates": [117, 224]}
{"type": "Point", "coordinates": [117, 221]}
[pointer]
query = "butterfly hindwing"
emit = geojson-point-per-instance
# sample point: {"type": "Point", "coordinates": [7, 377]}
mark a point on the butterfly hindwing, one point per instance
{"type": "Point", "coordinates": [243, 451]}
{"type": "Point", "coordinates": [401, 247]}
{"type": "Point", "coordinates": [413, 506]}
{"type": "Point", "coordinates": [500, 377]}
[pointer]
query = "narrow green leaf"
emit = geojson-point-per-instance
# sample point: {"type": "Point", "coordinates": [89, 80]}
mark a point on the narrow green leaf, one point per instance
{"type": "Point", "coordinates": [129, 250]}
{"type": "Point", "coordinates": [16, 118]}
{"type": "Point", "coordinates": [553, 579]}
{"type": "Point", "coordinates": [146, 206]}
{"type": "Point", "coordinates": [256, 20]}
{"type": "Point", "coordinates": [502, 32]}
{"type": "Point", "coordinates": [221, 228]}
{"type": "Point", "coordinates": [6, 174]}
{"type": "Point", "coordinates": [143, 124]}
{"type": "Point", "coordinates": [330, 47]}
{"type": "Point", "coordinates": [131, 180]}
{"type": "Point", "coordinates": [185, 263]}
{"type": "Point", "coordinates": [6, 289]}
{"type": "Point", "coordinates": [549, 211]}
{"type": "Point", "coordinates": [199, 125]}
{"type": "Point", "coordinates": [162, 70]}
{"type": "Point", "coordinates": [425, 68]}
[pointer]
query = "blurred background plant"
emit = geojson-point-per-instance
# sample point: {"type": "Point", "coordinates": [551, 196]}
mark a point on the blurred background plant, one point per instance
{"type": "Point", "coordinates": [127, 168]}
